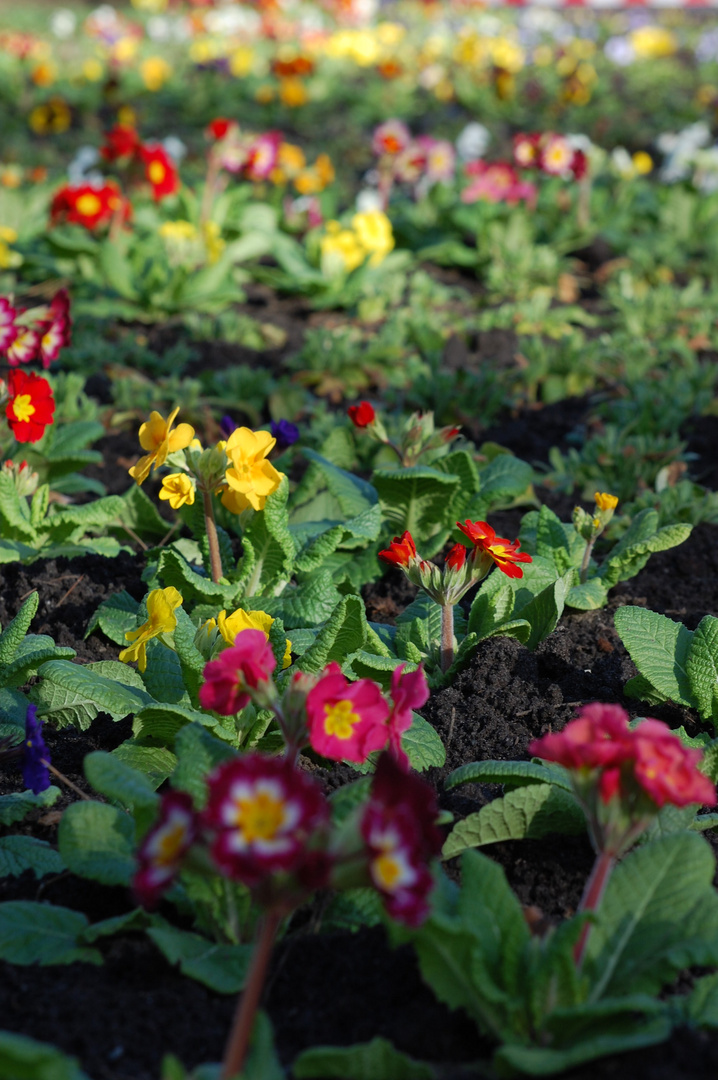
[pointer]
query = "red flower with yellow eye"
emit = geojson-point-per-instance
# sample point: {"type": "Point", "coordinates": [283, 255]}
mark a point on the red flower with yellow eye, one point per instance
{"type": "Point", "coordinates": [160, 171]}
{"type": "Point", "coordinates": [505, 553]}
{"type": "Point", "coordinates": [83, 204]}
{"type": "Point", "coordinates": [31, 406]}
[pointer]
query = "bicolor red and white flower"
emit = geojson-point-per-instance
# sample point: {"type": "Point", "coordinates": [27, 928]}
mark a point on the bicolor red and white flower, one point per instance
{"type": "Point", "coordinates": [262, 155]}
{"type": "Point", "coordinates": [261, 815]}
{"type": "Point", "coordinates": [346, 721]}
{"type": "Point", "coordinates": [8, 329]}
{"type": "Point", "coordinates": [25, 348]}
{"type": "Point", "coordinates": [164, 847]}
{"type": "Point", "coordinates": [398, 827]}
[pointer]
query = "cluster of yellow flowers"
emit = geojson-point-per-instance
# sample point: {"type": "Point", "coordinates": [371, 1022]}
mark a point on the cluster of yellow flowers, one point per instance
{"type": "Point", "coordinates": [249, 479]}
{"type": "Point", "coordinates": [343, 249]}
{"type": "Point", "coordinates": [188, 245]}
{"type": "Point", "coordinates": [9, 259]}
{"type": "Point", "coordinates": [292, 168]}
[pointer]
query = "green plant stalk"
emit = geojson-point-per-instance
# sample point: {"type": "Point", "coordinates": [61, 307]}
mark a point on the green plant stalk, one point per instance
{"type": "Point", "coordinates": [583, 573]}
{"type": "Point", "coordinates": [447, 636]}
{"type": "Point", "coordinates": [591, 899]}
{"type": "Point", "coordinates": [215, 559]}
{"type": "Point", "coordinates": [238, 1042]}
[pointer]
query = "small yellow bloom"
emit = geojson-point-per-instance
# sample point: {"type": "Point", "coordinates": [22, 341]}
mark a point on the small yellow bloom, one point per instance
{"type": "Point", "coordinates": [250, 477]}
{"type": "Point", "coordinates": [341, 251]}
{"type": "Point", "coordinates": [264, 94]}
{"type": "Point", "coordinates": [161, 607]}
{"type": "Point", "coordinates": [604, 501]}
{"type": "Point", "coordinates": [374, 231]}
{"type": "Point", "coordinates": [177, 230]}
{"type": "Point", "coordinates": [293, 92]}
{"type": "Point", "coordinates": [155, 72]}
{"type": "Point", "coordinates": [157, 437]}
{"type": "Point", "coordinates": [92, 69]}
{"type": "Point", "coordinates": [178, 490]}
{"type": "Point", "coordinates": [231, 625]}
{"type": "Point", "coordinates": [653, 42]}
{"type": "Point", "coordinates": [642, 162]}
{"type": "Point", "coordinates": [241, 62]}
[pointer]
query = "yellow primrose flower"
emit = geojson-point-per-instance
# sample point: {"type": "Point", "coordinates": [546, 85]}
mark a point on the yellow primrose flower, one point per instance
{"type": "Point", "coordinates": [155, 71]}
{"type": "Point", "coordinates": [157, 437]}
{"type": "Point", "coordinates": [642, 162]}
{"type": "Point", "coordinates": [92, 70]}
{"type": "Point", "coordinates": [231, 625]}
{"type": "Point", "coordinates": [213, 242]}
{"type": "Point", "coordinates": [374, 231]}
{"type": "Point", "coordinates": [178, 490]}
{"type": "Point", "coordinates": [177, 230]}
{"type": "Point", "coordinates": [341, 251]}
{"type": "Point", "coordinates": [250, 477]}
{"type": "Point", "coordinates": [604, 501]}
{"type": "Point", "coordinates": [293, 92]}
{"type": "Point", "coordinates": [241, 62]}
{"type": "Point", "coordinates": [161, 607]}
{"type": "Point", "coordinates": [652, 42]}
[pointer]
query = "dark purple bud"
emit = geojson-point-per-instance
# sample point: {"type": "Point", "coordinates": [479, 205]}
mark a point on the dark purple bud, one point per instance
{"type": "Point", "coordinates": [227, 426]}
{"type": "Point", "coordinates": [285, 433]}
{"type": "Point", "coordinates": [35, 756]}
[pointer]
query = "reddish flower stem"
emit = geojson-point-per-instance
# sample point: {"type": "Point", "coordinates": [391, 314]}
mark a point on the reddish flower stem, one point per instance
{"type": "Point", "coordinates": [238, 1041]}
{"type": "Point", "coordinates": [591, 899]}
{"type": "Point", "coordinates": [447, 636]}
{"type": "Point", "coordinates": [215, 559]}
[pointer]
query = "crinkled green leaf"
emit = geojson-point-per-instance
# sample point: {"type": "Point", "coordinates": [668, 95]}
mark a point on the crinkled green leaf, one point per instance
{"type": "Point", "coordinates": [97, 841]}
{"type": "Point", "coordinates": [72, 694]}
{"type": "Point", "coordinates": [22, 1058]}
{"type": "Point", "coordinates": [115, 616]}
{"type": "Point", "coordinates": [20, 853]}
{"type": "Point", "coordinates": [702, 667]}
{"type": "Point", "coordinates": [16, 630]}
{"type": "Point", "coordinates": [375, 1060]}
{"type": "Point", "coordinates": [343, 633]}
{"type": "Point", "coordinates": [223, 968]}
{"type": "Point", "coordinates": [528, 812]}
{"type": "Point", "coordinates": [659, 648]}
{"type": "Point", "coordinates": [35, 933]}
{"type": "Point", "coordinates": [18, 804]}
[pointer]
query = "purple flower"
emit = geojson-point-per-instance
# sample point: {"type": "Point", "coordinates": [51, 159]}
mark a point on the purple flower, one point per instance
{"type": "Point", "coordinates": [36, 756]}
{"type": "Point", "coordinates": [227, 426]}
{"type": "Point", "coordinates": [284, 432]}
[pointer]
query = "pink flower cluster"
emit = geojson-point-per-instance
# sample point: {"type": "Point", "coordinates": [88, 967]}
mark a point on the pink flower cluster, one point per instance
{"type": "Point", "coordinates": [267, 825]}
{"type": "Point", "coordinates": [497, 181]}
{"type": "Point", "coordinates": [422, 161]}
{"type": "Point", "coordinates": [344, 721]}
{"type": "Point", "coordinates": [251, 156]}
{"type": "Point", "coordinates": [648, 759]}
{"type": "Point", "coordinates": [549, 153]}
{"type": "Point", "coordinates": [37, 334]}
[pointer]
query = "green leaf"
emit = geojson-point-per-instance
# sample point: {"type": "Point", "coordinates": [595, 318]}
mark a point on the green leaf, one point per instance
{"type": "Point", "coordinates": [72, 694]}
{"type": "Point", "coordinates": [139, 919]}
{"type": "Point", "coordinates": [310, 602]}
{"type": "Point", "coordinates": [422, 745]}
{"type": "Point", "coordinates": [659, 648]}
{"type": "Point", "coordinates": [15, 631]}
{"type": "Point", "coordinates": [552, 540]}
{"type": "Point", "coordinates": [198, 752]}
{"type": "Point", "coordinates": [527, 812]}
{"type": "Point", "coordinates": [14, 513]}
{"type": "Point", "coordinates": [163, 677]}
{"type": "Point", "coordinates": [630, 559]}
{"type": "Point", "coordinates": [341, 635]}
{"type": "Point", "coordinates": [328, 496]}
{"type": "Point", "coordinates": [141, 514]}
{"type": "Point", "coordinates": [223, 968]}
{"type": "Point", "coordinates": [18, 804]}
{"type": "Point", "coordinates": [590, 596]}
{"type": "Point", "coordinates": [157, 763]}
{"type": "Point", "coordinates": [658, 916]}
{"type": "Point", "coordinates": [544, 610]}
{"type": "Point", "coordinates": [352, 909]}
{"type": "Point", "coordinates": [20, 853]}
{"type": "Point", "coordinates": [195, 588]}
{"type": "Point", "coordinates": [119, 782]}
{"type": "Point", "coordinates": [32, 653]}
{"type": "Point", "coordinates": [702, 667]}
{"type": "Point", "coordinates": [417, 499]}
{"type": "Point", "coordinates": [375, 1060]}
{"type": "Point", "coordinates": [98, 841]}
{"type": "Point", "coordinates": [162, 722]}
{"type": "Point", "coordinates": [701, 1006]}
{"type": "Point", "coordinates": [34, 933]}
{"type": "Point", "coordinates": [269, 549]}
{"type": "Point", "coordinates": [515, 773]}
{"type": "Point", "coordinates": [25, 1059]}
{"type": "Point", "coordinates": [115, 616]}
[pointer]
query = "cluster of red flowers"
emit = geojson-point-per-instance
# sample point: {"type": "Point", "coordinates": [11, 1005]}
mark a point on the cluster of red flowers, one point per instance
{"type": "Point", "coordinates": [123, 146]}
{"type": "Point", "coordinates": [36, 334]}
{"type": "Point", "coordinates": [267, 824]}
{"type": "Point", "coordinates": [487, 546]}
{"type": "Point", "coordinates": [550, 153]}
{"type": "Point", "coordinates": [89, 205]}
{"type": "Point", "coordinates": [422, 161]}
{"type": "Point", "coordinates": [648, 760]}
{"type": "Point", "coordinates": [497, 181]}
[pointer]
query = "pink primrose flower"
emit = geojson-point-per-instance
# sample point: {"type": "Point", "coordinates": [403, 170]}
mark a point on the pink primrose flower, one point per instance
{"type": "Point", "coordinates": [346, 721]}
{"type": "Point", "coordinates": [667, 770]}
{"type": "Point", "coordinates": [409, 691]}
{"type": "Point", "coordinates": [244, 665]}
{"type": "Point", "coordinates": [497, 181]}
{"type": "Point", "coordinates": [261, 814]}
{"type": "Point", "coordinates": [391, 138]}
{"type": "Point", "coordinates": [8, 330]}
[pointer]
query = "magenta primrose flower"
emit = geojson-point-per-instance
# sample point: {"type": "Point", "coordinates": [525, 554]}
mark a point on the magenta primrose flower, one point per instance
{"type": "Point", "coordinates": [346, 721]}
{"type": "Point", "coordinates": [163, 848]}
{"type": "Point", "coordinates": [247, 663]}
{"type": "Point", "coordinates": [409, 691]}
{"type": "Point", "coordinates": [8, 329]}
{"type": "Point", "coordinates": [261, 814]}
{"type": "Point", "coordinates": [401, 837]}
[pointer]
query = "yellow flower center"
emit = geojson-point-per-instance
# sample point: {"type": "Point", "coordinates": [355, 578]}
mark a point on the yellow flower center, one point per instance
{"type": "Point", "coordinates": [387, 871]}
{"type": "Point", "coordinates": [156, 172]}
{"type": "Point", "coordinates": [259, 816]}
{"type": "Point", "coordinates": [170, 844]}
{"type": "Point", "coordinates": [23, 407]}
{"type": "Point", "coordinates": [88, 204]}
{"type": "Point", "coordinates": [340, 719]}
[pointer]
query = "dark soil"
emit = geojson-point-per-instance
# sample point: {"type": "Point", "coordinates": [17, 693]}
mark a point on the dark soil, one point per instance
{"type": "Point", "coordinates": [344, 988]}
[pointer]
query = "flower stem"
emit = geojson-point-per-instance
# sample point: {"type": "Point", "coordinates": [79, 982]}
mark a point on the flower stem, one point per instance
{"type": "Point", "coordinates": [238, 1042]}
{"type": "Point", "coordinates": [583, 574]}
{"type": "Point", "coordinates": [215, 559]}
{"type": "Point", "coordinates": [65, 780]}
{"type": "Point", "coordinates": [592, 894]}
{"type": "Point", "coordinates": [447, 636]}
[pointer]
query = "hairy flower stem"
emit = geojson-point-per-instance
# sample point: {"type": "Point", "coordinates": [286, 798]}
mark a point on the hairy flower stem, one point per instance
{"type": "Point", "coordinates": [238, 1042]}
{"type": "Point", "coordinates": [591, 899]}
{"type": "Point", "coordinates": [583, 574]}
{"type": "Point", "coordinates": [447, 636]}
{"type": "Point", "coordinates": [215, 559]}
